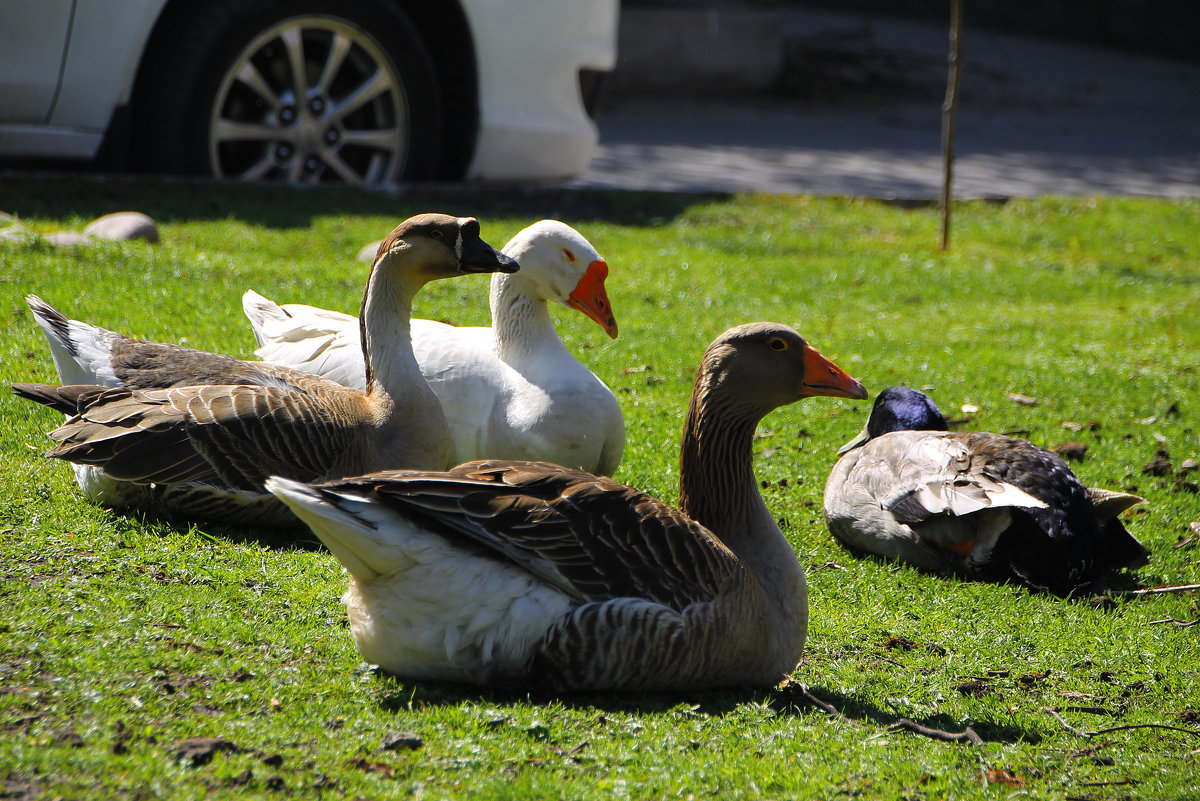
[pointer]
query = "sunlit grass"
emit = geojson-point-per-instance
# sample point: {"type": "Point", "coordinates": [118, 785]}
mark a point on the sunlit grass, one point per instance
{"type": "Point", "coordinates": [121, 637]}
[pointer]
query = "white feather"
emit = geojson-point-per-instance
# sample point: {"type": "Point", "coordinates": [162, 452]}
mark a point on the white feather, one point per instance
{"type": "Point", "coordinates": [417, 600]}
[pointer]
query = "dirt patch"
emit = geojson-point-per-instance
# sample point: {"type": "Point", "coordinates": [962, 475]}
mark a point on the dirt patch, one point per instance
{"type": "Point", "coordinates": [19, 790]}
{"type": "Point", "coordinates": [200, 750]}
{"type": "Point", "coordinates": [974, 689]}
{"type": "Point", "coordinates": [401, 741]}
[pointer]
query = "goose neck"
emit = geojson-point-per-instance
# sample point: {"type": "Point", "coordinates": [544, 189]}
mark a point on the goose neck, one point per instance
{"type": "Point", "coordinates": [521, 321]}
{"type": "Point", "coordinates": [391, 366]}
{"type": "Point", "coordinates": [717, 487]}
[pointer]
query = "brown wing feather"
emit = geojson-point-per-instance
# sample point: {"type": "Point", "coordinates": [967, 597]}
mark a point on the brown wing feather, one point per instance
{"type": "Point", "coordinates": [228, 436]}
{"type": "Point", "coordinates": [159, 365]}
{"type": "Point", "coordinates": [588, 535]}
{"type": "Point", "coordinates": [68, 398]}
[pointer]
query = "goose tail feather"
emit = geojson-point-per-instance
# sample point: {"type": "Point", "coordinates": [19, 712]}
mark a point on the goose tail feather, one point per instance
{"type": "Point", "coordinates": [81, 352]}
{"type": "Point", "coordinates": [344, 524]}
{"type": "Point", "coordinates": [69, 399]}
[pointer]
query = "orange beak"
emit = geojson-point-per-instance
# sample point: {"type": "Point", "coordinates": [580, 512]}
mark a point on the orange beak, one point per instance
{"type": "Point", "coordinates": [590, 298]}
{"type": "Point", "coordinates": [823, 377]}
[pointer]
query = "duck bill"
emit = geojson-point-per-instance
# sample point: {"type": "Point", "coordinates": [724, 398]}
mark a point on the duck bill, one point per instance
{"type": "Point", "coordinates": [859, 439]}
{"type": "Point", "coordinates": [590, 297]}
{"type": "Point", "coordinates": [480, 257]}
{"type": "Point", "coordinates": [823, 377]}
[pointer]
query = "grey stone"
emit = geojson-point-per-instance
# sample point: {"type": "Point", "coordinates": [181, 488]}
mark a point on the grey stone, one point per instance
{"type": "Point", "coordinates": [11, 229]}
{"type": "Point", "coordinates": [123, 226]}
{"type": "Point", "coordinates": [67, 239]}
{"type": "Point", "coordinates": [367, 254]}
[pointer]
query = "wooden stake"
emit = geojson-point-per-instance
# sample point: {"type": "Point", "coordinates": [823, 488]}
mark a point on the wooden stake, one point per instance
{"type": "Point", "coordinates": [948, 109]}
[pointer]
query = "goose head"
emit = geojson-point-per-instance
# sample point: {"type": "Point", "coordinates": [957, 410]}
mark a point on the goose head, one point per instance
{"type": "Point", "coordinates": [561, 265]}
{"type": "Point", "coordinates": [746, 373]}
{"type": "Point", "coordinates": [421, 249]}
{"type": "Point", "coordinates": [432, 246]}
{"type": "Point", "coordinates": [898, 409]}
{"type": "Point", "coordinates": [758, 367]}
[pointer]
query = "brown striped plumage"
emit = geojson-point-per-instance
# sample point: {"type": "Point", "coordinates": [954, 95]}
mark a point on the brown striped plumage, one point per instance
{"type": "Point", "coordinates": [528, 573]}
{"type": "Point", "coordinates": [188, 420]}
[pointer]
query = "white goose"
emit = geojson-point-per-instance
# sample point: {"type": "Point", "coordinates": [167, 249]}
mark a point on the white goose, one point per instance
{"type": "Point", "coordinates": [194, 434]}
{"type": "Point", "coordinates": [511, 391]}
{"type": "Point", "coordinates": [532, 574]}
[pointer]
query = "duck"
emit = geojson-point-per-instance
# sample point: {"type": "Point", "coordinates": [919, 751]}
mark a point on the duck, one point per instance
{"type": "Point", "coordinates": [511, 390]}
{"type": "Point", "coordinates": [973, 504]}
{"type": "Point", "coordinates": [520, 574]}
{"type": "Point", "coordinates": [189, 434]}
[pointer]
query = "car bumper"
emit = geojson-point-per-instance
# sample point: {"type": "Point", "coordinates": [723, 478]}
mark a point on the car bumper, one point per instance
{"type": "Point", "coordinates": [533, 124]}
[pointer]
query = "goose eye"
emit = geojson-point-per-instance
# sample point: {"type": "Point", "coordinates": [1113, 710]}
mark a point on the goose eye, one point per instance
{"type": "Point", "coordinates": [437, 233]}
{"type": "Point", "coordinates": [777, 344]}
{"type": "Point", "coordinates": [570, 256]}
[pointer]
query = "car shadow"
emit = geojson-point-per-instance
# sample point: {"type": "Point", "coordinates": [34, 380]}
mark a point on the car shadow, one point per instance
{"type": "Point", "coordinates": [88, 196]}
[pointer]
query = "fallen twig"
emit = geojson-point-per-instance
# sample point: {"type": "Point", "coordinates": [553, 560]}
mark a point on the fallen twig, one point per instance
{"type": "Point", "coordinates": [1111, 729]}
{"type": "Point", "coordinates": [1183, 624]}
{"type": "Point", "coordinates": [824, 706]}
{"type": "Point", "coordinates": [1065, 724]}
{"type": "Point", "coordinates": [1157, 590]}
{"type": "Point", "coordinates": [967, 735]}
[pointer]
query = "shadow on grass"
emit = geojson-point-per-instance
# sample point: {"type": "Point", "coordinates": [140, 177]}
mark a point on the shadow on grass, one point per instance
{"type": "Point", "coordinates": [794, 699]}
{"type": "Point", "coordinates": [788, 699]}
{"type": "Point", "coordinates": [278, 206]}
{"type": "Point", "coordinates": [1097, 595]}
{"type": "Point", "coordinates": [279, 539]}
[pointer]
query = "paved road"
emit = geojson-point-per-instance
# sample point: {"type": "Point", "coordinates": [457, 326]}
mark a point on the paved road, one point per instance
{"type": "Point", "coordinates": [1036, 116]}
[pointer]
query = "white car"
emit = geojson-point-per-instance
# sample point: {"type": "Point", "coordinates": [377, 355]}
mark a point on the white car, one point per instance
{"type": "Point", "coordinates": [365, 92]}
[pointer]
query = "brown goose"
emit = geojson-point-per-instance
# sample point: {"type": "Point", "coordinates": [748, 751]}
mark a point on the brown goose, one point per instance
{"type": "Point", "coordinates": [532, 574]}
{"type": "Point", "coordinates": [200, 441]}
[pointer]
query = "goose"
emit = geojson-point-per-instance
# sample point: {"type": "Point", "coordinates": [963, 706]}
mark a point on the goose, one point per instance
{"type": "Point", "coordinates": [530, 574]}
{"type": "Point", "coordinates": [192, 434]}
{"type": "Point", "coordinates": [978, 505]}
{"type": "Point", "coordinates": [510, 391]}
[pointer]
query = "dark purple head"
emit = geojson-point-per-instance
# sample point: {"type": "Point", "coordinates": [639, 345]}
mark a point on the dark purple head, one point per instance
{"type": "Point", "coordinates": [899, 409]}
{"type": "Point", "coordinates": [904, 409]}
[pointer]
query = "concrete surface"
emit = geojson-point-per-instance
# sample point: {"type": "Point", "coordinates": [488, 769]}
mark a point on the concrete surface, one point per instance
{"type": "Point", "coordinates": [1036, 116]}
{"type": "Point", "coordinates": [719, 48]}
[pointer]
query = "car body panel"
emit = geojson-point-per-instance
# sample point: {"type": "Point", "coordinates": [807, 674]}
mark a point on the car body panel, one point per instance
{"type": "Point", "coordinates": [32, 39]}
{"type": "Point", "coordinates": [48, 141]}
{"type": "Point", "coordinates": [102, 60]}
{"type": "Point", "coordinates": [532, 120]}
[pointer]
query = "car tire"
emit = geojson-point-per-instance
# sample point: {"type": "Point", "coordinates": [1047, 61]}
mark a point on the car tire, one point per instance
{"type": "Point", "coordinates": [217, 93]}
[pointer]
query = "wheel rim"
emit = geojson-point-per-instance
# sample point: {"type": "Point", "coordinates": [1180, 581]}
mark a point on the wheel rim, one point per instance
{"type": "Point", "coordinates": [312, 100]}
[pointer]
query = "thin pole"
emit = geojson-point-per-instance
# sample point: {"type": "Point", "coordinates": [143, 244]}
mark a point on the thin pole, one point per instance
{"type": "Point", "coordinates": [948, 108]}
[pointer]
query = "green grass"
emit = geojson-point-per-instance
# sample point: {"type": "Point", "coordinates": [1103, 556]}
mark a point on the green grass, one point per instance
{"type": "Point", "coordinates": [121, 636]}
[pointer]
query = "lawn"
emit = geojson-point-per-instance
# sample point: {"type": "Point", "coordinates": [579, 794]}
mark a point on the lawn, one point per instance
{"type": "Point", "coordinates": [125, 639]}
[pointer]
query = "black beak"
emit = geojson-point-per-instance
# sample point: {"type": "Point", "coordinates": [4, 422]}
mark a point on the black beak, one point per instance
{"type": "Point", "coordinates": [486, 259]}
{"type": "Point", "coordinates": [480, 257]}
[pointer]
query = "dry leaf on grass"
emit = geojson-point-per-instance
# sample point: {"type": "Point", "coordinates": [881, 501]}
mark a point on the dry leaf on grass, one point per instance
{"type": "Point", "coordinates": [1007, 777]}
